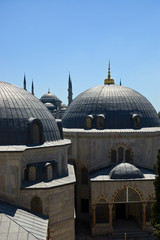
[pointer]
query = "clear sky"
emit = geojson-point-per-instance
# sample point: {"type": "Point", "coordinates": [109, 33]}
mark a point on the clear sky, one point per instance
{"type": "Point", "coordinates": [47, 39]}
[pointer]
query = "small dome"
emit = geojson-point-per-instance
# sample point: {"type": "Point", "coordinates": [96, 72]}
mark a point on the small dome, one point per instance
{"type": "Point", "coordinates": [63, 105]}
{"type": "Point", "coordinates": [125, 171]}
{"type": "Point", "coordinates": [19, 112]}
{"type": "Point", "coordinates": [50, 106]}
{"type": "Point", "coordinates": [49, 97]}
{"type": "Point", "coordinates": [118, 104]}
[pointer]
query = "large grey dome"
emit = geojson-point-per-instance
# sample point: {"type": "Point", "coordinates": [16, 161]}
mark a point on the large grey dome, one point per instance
{"type": "Point", "coordinates": [125, 171]}
{"type": "Point", "coordinates": [117, 104]}
{"type": "Point", "coordinates": [18, 111]}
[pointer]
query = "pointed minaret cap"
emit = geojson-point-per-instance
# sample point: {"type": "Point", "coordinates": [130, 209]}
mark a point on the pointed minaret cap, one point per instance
{"type": "Point", "coordinates": [32, 88]}
{"type": "Point", "coordinates": [109, 80]}
{"type": "Point", "coordinates": [24, 82]}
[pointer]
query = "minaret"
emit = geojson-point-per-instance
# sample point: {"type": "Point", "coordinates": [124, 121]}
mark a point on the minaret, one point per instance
{"type": "Point", "coordinates": [32, 88]}
{"type": "Point", "coordinates": [109, 80]}
{"type": "Point", "coordinates": [24, 83]}
{"type": "Point", "coordinates": [69, 90]}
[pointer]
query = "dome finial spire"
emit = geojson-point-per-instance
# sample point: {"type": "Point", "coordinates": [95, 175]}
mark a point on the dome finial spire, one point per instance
{"type": "Point", "coordinates": [109, 72]}
{"type": "Point", "coordinates": [109, 80]}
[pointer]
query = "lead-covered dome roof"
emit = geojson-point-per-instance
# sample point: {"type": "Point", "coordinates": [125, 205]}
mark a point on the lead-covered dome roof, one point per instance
{"type": "Point", "coordinates": [20, 111]}
{"type": "Point", "coordinates": [49, 97]}
{"type": "Point", "coordinates": [125, 171]}
{"type": "Point", "coordinates": [117, 104]}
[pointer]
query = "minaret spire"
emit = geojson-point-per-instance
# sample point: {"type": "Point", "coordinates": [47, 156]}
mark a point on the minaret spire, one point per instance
{"type": "Point", "coordinates": [24, 83]}
{"type": "Point", "coordinates": [32, 88]}
{"type": "Point", "coordinates": [70, 94]}
{"type": "Point", "coordinates": [109, 80]}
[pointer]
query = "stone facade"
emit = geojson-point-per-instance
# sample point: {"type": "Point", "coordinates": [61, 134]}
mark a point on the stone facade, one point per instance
{"type": "Point", "coordinates": [57, 195]}
{"type": "Point", "coordinates": [92, 150]}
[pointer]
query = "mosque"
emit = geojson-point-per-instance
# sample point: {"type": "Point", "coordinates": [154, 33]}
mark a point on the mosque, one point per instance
{"type": "Point", "coordinates": [115, 137]}
{"type": "Point", "coordinates": [96, 165]}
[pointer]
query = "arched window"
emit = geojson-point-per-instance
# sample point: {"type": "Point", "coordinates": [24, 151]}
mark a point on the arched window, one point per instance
{"type": "Point", "coordinates": [32, 173]}
{"type": "Point", "coordinates": [35, 131]}
{"type": "Point", "coordinates": [100, 121]}
{"type": "Point", "coordinates": [127, 195]}
{"type": "Point", "coordinates": [88, 121]}
{"type": "Point", "coordinates": [102, 212]}
{"type": "Point", "coordinates": [114, 156]}
{"type": "Point", "coordinates": [128, 156]}
{"type": "Point", "coordinates": [49, 171]}
{"type": "Point", "coordinates": [120, 154]}
{"type": "Point", "coordinates": [136, 121]}
{"type": "Point", "coordinates": [84, 176]}
{"type": "Point", "coordinates": [36, 205]}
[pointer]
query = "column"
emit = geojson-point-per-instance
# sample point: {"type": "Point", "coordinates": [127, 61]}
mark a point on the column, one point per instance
{"type": "Point", "coordinates": [143, 215]}
{"type": "Point", "coordinates": [110, 215]}
{"type": "Point", "coordinates": [94, 215]}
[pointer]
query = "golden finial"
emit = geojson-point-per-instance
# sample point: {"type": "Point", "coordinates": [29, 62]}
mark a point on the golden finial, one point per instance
{"type": "Point", "coordinates": [109, 80]}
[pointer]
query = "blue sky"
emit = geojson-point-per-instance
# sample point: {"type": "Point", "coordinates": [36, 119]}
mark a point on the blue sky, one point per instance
{"type": "Point", "coordinates": [47, 39]}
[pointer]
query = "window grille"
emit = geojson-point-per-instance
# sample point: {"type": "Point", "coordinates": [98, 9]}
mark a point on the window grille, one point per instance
{"type": "Point", "coordinates": [49, 171]}
{"type": "Point", "coordinates": [36, 133]}
{"type": "Point", "coordinates": [102, 213]}
{"type": "Point", "coordinates": [133, 196]}
{"type": "Point", "coordinates": [121, 196]}
{"type": "Point", "coordinates": [100, 122]}
{"type": "Point", "coordinates": [127, 195]}
{"type": "Point", "coordinates": [36, 205]}
{"type": "Point", "coordinates": [32, 174]}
